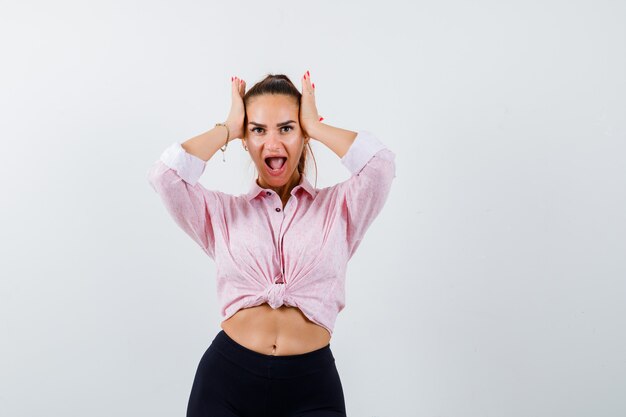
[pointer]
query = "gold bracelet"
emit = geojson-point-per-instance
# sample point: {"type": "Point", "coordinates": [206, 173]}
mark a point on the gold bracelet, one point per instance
{"type": "Point", "coordinates": [223, 148]}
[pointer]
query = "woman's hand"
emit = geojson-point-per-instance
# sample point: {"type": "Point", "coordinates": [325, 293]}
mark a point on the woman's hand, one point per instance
{"type": "Point", "coordinates": [308, 111]}
{"type": "Point", "coordinates": [237, 109]}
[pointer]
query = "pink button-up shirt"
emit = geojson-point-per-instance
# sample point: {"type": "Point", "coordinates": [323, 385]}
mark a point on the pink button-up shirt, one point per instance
{"type": "Point", "coordinates": [264, 254]}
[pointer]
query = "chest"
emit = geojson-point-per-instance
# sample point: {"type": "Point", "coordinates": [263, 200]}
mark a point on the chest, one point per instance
{"type": "Point", "coordinates": [302, 230]}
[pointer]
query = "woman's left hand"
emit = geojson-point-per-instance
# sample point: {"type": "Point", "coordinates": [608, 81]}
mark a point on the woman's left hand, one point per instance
{"type": "Point", "coordinates": [308, 111]}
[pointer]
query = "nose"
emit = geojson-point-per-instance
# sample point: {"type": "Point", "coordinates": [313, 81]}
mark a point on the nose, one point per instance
{"type": "Point", "coordinates": [273, 141]}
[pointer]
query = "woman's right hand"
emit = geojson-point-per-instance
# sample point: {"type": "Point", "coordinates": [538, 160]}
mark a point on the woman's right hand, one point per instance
{"type": "Point", "coordinates": [235, 118]}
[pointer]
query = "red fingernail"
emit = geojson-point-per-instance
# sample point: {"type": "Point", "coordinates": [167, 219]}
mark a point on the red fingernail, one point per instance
{"type": "Point", "coordinates": [313, 85]}
{"type": "Point", "coordinates": [321, 118]}
{"type": "Point", "coordinates": [307, 73]}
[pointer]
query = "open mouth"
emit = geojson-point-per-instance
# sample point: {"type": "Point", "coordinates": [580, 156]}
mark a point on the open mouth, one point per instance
{"type": "Point", "coordinates": [275, 163]}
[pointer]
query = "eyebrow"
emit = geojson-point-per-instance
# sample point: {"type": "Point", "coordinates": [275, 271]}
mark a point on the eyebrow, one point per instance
{"type": "Point", "coordinates": [277, 125]}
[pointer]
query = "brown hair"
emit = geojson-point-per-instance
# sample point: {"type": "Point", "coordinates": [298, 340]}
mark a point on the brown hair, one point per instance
{"type": "Point", "coordinates": [279, 84]}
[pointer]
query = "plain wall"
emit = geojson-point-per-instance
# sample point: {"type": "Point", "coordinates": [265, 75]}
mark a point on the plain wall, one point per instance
{"type": "Point", "coordinates": [492, 283]}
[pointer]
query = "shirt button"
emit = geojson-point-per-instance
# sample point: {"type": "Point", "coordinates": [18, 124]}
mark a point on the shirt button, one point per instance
{"type": "Point", "coordinates": [268, 192]}
{"type": "Point", "coordinates": [277, 208]}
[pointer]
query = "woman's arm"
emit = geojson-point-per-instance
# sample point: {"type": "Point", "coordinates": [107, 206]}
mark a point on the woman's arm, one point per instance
{"type": "Point", "coordinates": [174, 176]}
{"type": "Point", "coordinates": [206, 144]}
{"type": "Point", "coordinates": [373, 169]}
{"type": "Point", "coordinates": [369, 161]}
{"type": "Point", "coordinates": [337, 139]}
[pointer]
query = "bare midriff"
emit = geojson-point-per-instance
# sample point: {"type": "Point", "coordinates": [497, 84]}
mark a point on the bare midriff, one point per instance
{"type": "Point", "coordinates": [282, 331]}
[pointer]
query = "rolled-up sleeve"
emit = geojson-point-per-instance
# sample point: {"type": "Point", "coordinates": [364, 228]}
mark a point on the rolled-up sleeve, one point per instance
{"type": "Point", "coordinates": [364, 194]}
{"type": "Point", "coordinates": [174, 176]}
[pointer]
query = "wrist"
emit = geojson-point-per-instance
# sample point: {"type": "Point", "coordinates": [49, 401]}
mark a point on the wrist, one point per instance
{"type": "Point", "coordinates": [233, 130]}
{"type": "Point", "coordinates": [314, 129]}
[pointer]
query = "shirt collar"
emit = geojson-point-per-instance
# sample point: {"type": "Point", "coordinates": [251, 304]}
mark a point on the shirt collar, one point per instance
{"type": "Point", "coordinates": [255, 189]}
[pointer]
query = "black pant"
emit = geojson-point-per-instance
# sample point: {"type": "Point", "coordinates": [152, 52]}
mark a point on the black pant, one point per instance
{"type": "Point", "coordinates": [234, 381]}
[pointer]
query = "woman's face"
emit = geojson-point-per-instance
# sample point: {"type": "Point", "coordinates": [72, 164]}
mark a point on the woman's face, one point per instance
{"type": "Point", "coordinates": [274, 130]}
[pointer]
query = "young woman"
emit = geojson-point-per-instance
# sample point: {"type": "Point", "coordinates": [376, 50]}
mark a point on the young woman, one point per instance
{"type": "Point", "coordinates": [281, 249]}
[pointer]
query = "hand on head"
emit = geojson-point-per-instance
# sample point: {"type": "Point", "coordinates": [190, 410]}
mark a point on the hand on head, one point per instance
{"type": "Point", "coordinates": [235, 118]}
{"type": "Point", "coordinates": [308, 109]}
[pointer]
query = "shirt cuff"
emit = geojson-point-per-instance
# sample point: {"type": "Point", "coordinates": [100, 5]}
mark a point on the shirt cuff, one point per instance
{"type": "Point", "coordinates": [364, 147]}
{"type": "Point", "coordinates": [186, 165]}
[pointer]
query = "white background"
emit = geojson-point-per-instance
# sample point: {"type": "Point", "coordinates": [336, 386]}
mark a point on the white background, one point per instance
{"type": "Point", "coordinates": [492, 284]}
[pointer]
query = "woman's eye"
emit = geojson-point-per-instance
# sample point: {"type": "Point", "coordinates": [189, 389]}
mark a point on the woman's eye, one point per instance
{"type": "Point", "coordinates": [254, 129]}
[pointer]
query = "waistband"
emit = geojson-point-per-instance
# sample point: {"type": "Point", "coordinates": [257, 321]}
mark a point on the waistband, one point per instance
{"type": "Point", "coordinates": [272, 366]}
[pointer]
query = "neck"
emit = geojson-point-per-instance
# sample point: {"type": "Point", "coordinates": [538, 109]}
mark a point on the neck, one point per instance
{"type": "Point", "coordinates": [284, 190]}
